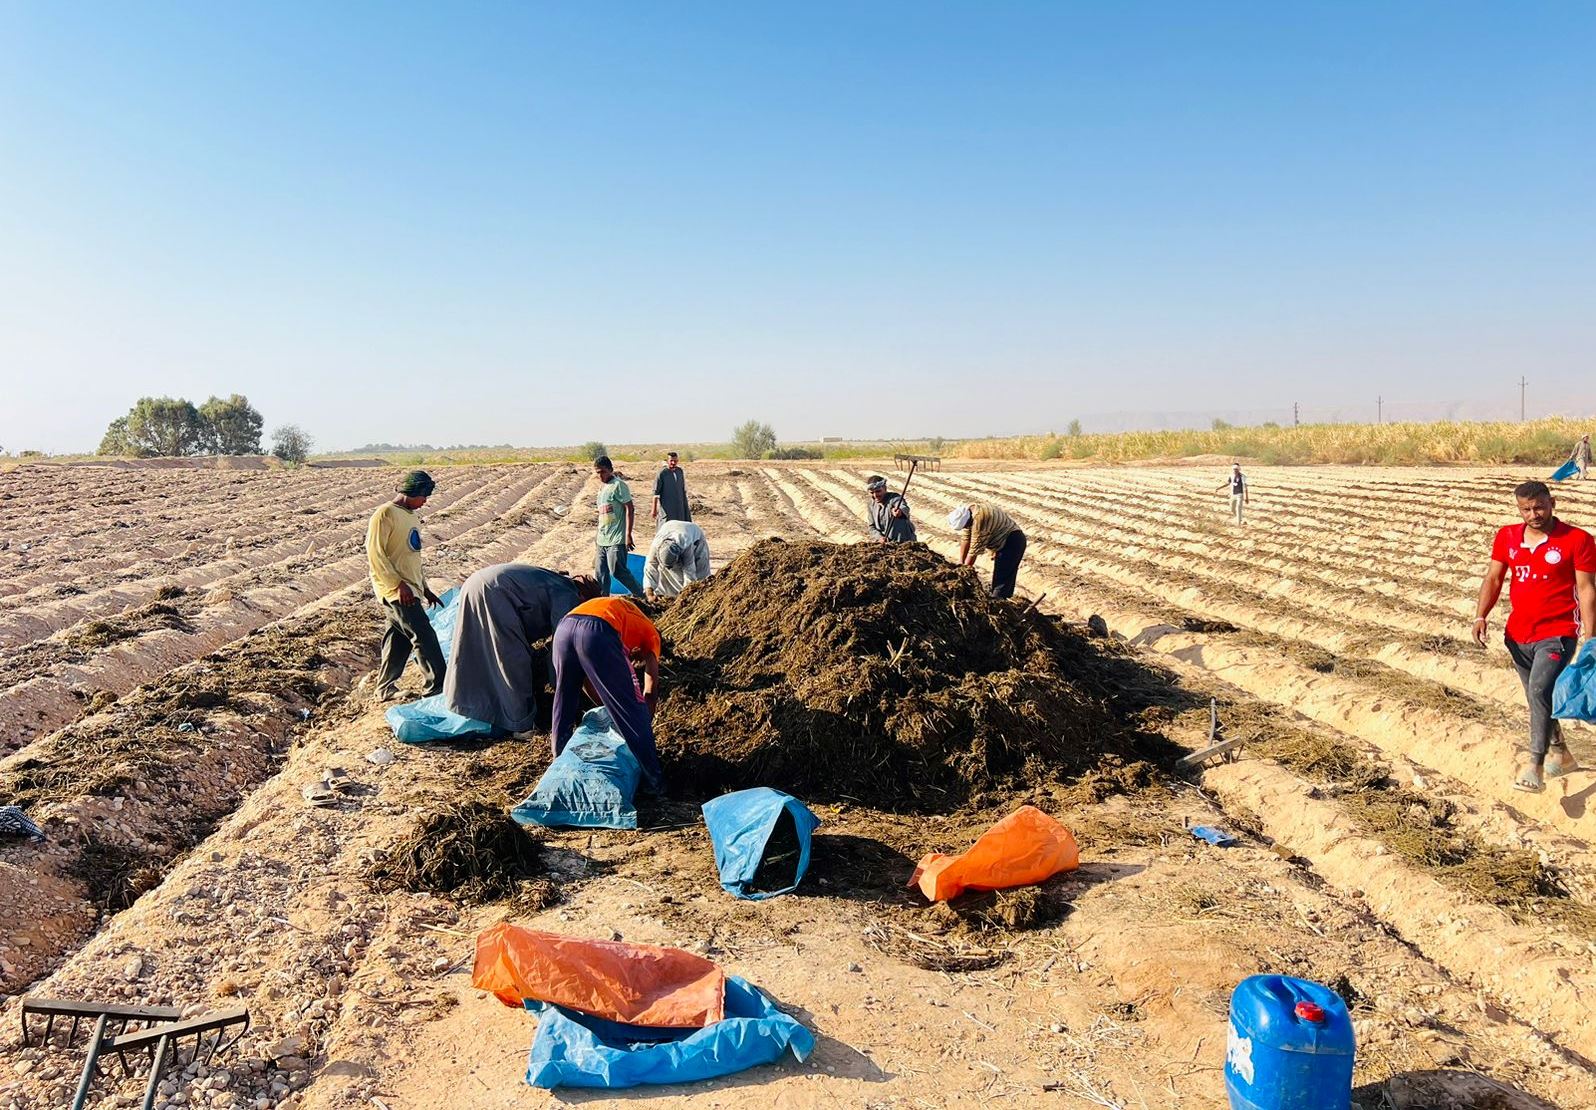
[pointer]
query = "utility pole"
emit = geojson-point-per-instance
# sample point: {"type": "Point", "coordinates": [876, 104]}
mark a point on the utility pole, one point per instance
{"type": "Point", "coordinates": [1296, 414]}
{"type": "Point", "coordinates": [1379, 410]}
{"type": "Point", "coordinates": [1521, 384]}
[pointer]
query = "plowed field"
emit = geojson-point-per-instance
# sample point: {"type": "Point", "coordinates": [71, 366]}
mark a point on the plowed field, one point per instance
{"type": "Point", "coordinates": [182, 650]}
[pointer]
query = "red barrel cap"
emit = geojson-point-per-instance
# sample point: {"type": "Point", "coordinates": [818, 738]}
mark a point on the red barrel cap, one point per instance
{"type": "Point", "coordinates": [1310, 1011]}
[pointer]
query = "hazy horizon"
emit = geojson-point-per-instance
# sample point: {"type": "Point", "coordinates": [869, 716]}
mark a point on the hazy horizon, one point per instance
{"type": "Point", "coordinates": [548, 224]}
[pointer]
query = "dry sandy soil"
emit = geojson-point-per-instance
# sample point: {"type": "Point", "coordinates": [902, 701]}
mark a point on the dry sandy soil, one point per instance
{"type": "Point", "coordinates": [182, 650]}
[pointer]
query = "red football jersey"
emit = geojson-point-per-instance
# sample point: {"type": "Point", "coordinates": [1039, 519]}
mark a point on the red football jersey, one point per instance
{"type": "Point", "coordinates": [1542, 580]}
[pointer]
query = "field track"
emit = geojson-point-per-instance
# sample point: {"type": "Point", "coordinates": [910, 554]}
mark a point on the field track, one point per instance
{"type": "Point", "coordinates": [1338, 615]}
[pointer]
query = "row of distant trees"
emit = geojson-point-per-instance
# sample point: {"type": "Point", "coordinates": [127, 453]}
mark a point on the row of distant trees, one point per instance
{"type": "Point", "coordinates": [174, 427]}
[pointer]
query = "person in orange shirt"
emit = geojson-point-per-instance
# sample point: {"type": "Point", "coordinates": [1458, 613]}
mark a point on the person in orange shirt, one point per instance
{"type": "Point", "coordinates": [600, 640]}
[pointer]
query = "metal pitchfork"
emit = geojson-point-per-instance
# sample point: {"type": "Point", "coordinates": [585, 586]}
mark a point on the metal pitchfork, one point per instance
{"type": "Point", "coordinates": [228, 1025]}
{"type": "Point", "coordinates": [127, 1029]}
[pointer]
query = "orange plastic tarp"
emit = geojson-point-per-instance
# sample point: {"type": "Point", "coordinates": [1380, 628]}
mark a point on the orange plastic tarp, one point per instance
{"type": "Point", "coordinates": [638, 984]}
{"type": "Point", "coordinates": [1025, 847]}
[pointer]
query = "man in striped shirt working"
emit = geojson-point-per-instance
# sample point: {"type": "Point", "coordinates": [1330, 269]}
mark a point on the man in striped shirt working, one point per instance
{"type": "Point", "coordinates": [985, 527]}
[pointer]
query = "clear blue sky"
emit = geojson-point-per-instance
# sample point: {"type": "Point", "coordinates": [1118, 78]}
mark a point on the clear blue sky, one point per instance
{"type": "Point", "coordinates": [553, 223]}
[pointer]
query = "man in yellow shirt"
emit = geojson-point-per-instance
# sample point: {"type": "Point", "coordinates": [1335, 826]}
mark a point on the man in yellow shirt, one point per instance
{"type": "Point", "coordinates": [393, 551]}
{"type": "Point", "coordinates": [986, 527]}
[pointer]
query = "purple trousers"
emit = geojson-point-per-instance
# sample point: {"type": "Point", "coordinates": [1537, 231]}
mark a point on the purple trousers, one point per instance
{"type": "Point", "coordinates": [588, 647]}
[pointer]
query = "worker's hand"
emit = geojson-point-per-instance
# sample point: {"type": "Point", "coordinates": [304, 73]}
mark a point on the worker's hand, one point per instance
{"type": "Point", "coordinates": [653, 514]}
{"type": "Point", "coordinates": [630, 546]}
{"type": "Point", "coordinates": [651, 699]}
{"type": "Point", "coordinates": [433, 599]}
{"type": "Point", "coordinates": [407, 596]}
{"type": "Point", "coordinates": [1481, 625]}
{"type": "Point", "coordinates": [897, 511]}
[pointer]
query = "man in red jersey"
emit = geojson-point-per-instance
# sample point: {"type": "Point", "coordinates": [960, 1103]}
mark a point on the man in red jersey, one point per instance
{"type": "Point", "coordinates": [1553, 596]}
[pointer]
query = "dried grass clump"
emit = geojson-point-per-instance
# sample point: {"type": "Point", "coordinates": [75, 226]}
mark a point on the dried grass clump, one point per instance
{"type": "Point", "coordinates": [471, 851]}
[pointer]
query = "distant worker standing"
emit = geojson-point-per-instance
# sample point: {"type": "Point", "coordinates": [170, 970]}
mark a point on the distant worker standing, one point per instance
{"type": "Point", "coordinates": [393, 553]}
{"type": "Point", "coordinates": [988, 528]}
{"type": "Point", "coordinates": [889, 513]}
{"type": "Point", "coordinates": [494, 676]}
{"type": "Point", "coordinates": [1238, 490]}
{"type": "Point", "coordinates": [599, 641]}
{"type": "Point", "coordinates": [1580, 456]}
{"type": "Point", "coordinates": [1553, 596]}
{"type": "Point", "coordinates": [678, 555]}
{"type": "Point", "coordinates": [615, 514]}
{"type": "Point", "coordinates": [670, 491]}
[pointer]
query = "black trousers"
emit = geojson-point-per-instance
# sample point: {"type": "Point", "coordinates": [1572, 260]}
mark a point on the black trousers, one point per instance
{"type": "Point", "coordinates": [408, 628]}
{"type": "Point", "coordinates": [1538, 664]}
{"type": "Point", "coordinates": [1006, 564]}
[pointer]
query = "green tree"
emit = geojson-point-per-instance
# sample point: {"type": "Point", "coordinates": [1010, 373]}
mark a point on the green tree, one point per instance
{"type": "Point", "coordinates": [292, 444]}
{"type": "Point", "coordinates": [114, 442]}
{"type": "Point", "coordinates": [167, 427]}
{"type": "Point", "coordinates": [751, 439]}
{"type": "Point", "coordinates": [592, 449]}
{"type": "Point", "coordinates": [1222, 425]}
{"type": "Point", "coordinates": [233, 426]}
{"type": "Point", "coordinates": [1074, 429]}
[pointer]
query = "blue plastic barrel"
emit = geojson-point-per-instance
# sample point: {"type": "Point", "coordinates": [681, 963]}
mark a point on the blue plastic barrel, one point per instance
{"type": "Point", "coordinates": [1290, 1046]}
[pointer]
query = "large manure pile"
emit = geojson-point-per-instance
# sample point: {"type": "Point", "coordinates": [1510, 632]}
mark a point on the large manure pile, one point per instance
{"type": "Point", "coordinates": [881, 674]}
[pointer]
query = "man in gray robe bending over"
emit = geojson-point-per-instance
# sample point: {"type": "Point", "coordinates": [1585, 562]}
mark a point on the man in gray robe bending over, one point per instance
{"type": "Point", "coordinates": [504, 610]}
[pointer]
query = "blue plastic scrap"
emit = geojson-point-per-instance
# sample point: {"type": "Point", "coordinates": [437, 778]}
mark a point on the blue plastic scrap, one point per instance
{"type": "Point", "coordinates": [741, 825]}
{"type": "Point", "coordinates": [574, 1049]}
{"type": "Point", "coordinates": [1574, 695]}
{"type": "Point", "coordinates": [443, 619]}
{"type": "Point", "coordinates": [1219, 838]}
{"type": "Point", "coordinates": [1566, 471]}
{"type": "Point", "coordinates": [590, 784]}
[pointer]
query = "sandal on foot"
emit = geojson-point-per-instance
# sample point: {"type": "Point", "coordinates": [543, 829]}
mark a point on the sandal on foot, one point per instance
{"type": "Point", "coordinates": [1529, 780]}
{"type": "Point", "coordinates": [1560, 761]}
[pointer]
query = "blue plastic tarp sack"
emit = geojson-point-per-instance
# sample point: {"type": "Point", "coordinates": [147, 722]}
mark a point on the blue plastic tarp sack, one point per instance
{"type": "Point", "coordinates": [1566, 471]}
{"type": "Point", "coordinates": [742, 826]}
{"type": "Point", "coordinates": [422, 722]}
{"type": "Point", "coordinates": [1574, 696]}
{"type": "Point", "coordinates": [573, 1049]}
{"type": "Point", "coordinates": [637, 564]}
{"type": "Point", "coordinates": [590, 784]}
{"type": "Point", "coordinates": [443, 618]}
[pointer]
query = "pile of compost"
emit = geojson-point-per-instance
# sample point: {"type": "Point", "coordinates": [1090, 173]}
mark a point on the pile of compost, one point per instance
{"type": "Point", "coordinates": [470, 850]}
{"type": "Point", "coordinates": [881, 674]}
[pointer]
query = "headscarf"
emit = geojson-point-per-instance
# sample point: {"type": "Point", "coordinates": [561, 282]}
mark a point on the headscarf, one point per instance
{"type": "Point", "coordinates": [959, 519]}
{"type": "Point", "coordinates": [672, 555]}
{"type": "Point", "coordinates": [418, 483]}
{"type": "Point", "coordinates": [875, 483]}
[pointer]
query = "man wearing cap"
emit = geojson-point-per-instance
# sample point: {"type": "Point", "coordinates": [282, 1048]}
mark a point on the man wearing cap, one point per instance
{"type": "Point", "coordinates": [1239, 493]}
{"type": "Point", "coordinates": [678, 555]}
{"type": "Point", "coordinates": [986, 527]}
{"type": "Point", "coordinates": [670, 491]}
{"type": "Point", "coordinates": [889, 513]}
{"type": "Point", "coordinates": [393, 553]}
{"type": "Point", "coordinates": [615, 514]}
